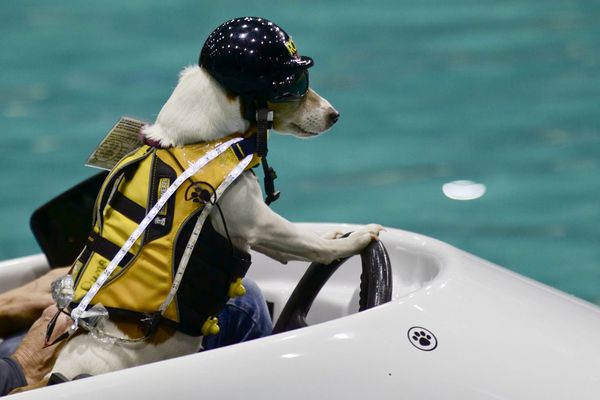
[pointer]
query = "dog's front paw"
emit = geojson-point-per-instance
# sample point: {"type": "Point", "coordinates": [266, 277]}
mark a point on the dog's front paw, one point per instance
{"type": "Point", "coordinates": [363, 236]}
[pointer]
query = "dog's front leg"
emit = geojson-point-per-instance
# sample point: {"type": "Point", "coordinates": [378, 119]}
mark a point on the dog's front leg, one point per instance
{"type": "Point", "coordinates": [285, 257]}
{"type": "Point", "coordinates": [251, 221]}
{"type": "Point", "coordinates": [292, 242]}
{"type": "Point", "coordinates": [277, 255]}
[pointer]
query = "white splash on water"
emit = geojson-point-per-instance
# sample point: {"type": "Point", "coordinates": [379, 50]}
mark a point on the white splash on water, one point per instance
{"type": "Point", "coordinates": [463, 190]}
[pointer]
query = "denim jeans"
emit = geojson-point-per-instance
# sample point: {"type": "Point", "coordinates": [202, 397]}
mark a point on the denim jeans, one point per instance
{"type": "Point", "coordinates": [243, 318]}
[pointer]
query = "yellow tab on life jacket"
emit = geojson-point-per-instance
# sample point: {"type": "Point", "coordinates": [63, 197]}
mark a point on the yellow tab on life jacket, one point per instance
{"type": "Point", "coordinates": [236, 289]}
{"type": "Point", "coordinates": [210, 327]}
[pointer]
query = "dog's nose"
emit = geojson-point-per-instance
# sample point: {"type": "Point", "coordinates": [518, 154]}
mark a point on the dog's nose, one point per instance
{"type": "Point", "coordinates": [333, 117]}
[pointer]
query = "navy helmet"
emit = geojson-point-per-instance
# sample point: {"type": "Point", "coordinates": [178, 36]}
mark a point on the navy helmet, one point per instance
{"type": "Point", "coordinates": [256, 59]}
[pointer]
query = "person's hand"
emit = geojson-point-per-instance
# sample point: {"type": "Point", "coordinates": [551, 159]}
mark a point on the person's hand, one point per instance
{"type": "Point", "coordinates": [36, 360]}
{"type": "Point", "coordinates": [21, 306]}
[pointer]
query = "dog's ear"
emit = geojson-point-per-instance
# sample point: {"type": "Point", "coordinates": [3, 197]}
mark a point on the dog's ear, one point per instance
{"type": "Point", "coordinates": [197, 110]}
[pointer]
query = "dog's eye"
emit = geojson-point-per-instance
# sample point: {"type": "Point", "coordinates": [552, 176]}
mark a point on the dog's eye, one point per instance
{"type": "Point", "coordinates": [292, 88]}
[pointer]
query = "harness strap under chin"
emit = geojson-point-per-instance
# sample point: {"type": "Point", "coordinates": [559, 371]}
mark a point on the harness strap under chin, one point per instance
{"type": "Point", "coordinates": [269, 181]}
{"type": "Point", "coordinates": [256, 110]}
{"type": "Point", "coordinates": [264, 122]}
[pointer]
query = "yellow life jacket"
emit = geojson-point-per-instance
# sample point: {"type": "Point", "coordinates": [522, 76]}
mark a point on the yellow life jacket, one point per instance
{"type": "Point", "coordinates": [144, 277]}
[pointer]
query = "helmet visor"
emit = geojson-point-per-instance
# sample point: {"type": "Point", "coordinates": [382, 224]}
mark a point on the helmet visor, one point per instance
{"type": "Point", "coordinates": [290, 88]}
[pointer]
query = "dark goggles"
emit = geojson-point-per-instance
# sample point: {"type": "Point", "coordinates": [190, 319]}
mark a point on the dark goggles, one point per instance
{"type": "Point", "coordinates": [291, 88]}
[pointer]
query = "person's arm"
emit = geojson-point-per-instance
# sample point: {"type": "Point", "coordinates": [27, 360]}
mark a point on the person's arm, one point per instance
{"type": "Point", "coordinates": [32, 361]}
{"type": "Point", "coordinates": [23, 305]}
{"type": "Point", "coordinates": [11, 376]}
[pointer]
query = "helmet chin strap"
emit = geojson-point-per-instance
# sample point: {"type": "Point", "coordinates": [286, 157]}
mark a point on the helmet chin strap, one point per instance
{"type": "Point", "coordinates": [264, 122]}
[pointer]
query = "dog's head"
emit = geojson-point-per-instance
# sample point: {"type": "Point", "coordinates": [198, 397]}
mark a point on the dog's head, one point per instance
{"type": "Point", "coordinates": [244, 63]}
{"type": "Point", "coordinates": [257, 60]}
{"type": "Point", "coordinates": [199, 109]}
{"type": "Point", "coordinates": [308, 117]}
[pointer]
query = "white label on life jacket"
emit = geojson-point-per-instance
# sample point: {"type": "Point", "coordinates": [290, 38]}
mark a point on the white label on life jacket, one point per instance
{"type": "Point", "coordinates": [121, 140]}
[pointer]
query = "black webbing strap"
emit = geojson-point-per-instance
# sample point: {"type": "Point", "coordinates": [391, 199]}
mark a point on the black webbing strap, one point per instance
{"type": "Point", "coordinates": [127, 207]}
{"type": "Point", "coordinates": [105, 248]}
{"type": "Point", "coordinates": [264, 122]}
{"type": "Point", "coordinates": [269, 181]}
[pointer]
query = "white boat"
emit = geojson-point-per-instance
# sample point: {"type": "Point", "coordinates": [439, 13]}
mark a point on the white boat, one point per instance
{"type": "Point", "coordinates": [456, 327]}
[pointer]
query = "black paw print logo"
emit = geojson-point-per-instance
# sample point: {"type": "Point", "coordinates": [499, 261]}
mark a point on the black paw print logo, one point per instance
{"type": "Point", "coordinates": [422, 338]}
{"type": "Point", "coordinates": [198, 194]}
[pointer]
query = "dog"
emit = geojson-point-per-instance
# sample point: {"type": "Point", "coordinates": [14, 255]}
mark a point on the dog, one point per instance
{"type": "Point", "coordinates": [200, 110]}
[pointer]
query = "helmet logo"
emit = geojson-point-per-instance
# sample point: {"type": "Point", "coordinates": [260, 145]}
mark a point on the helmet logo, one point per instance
{"type": "Point", "coordinates": [291, 46]}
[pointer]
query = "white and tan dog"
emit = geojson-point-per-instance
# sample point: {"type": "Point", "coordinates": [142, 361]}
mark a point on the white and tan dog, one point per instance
{"type": "Point", "coordinates": [200, 110]}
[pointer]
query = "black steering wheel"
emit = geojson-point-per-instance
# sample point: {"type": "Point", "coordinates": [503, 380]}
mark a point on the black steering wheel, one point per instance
{"type": "Point", "coordinates": [375, 286]}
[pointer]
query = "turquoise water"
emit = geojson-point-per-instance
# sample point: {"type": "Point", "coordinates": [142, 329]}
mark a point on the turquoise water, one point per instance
{"type": "Point", "coordinates": [504, 93]}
